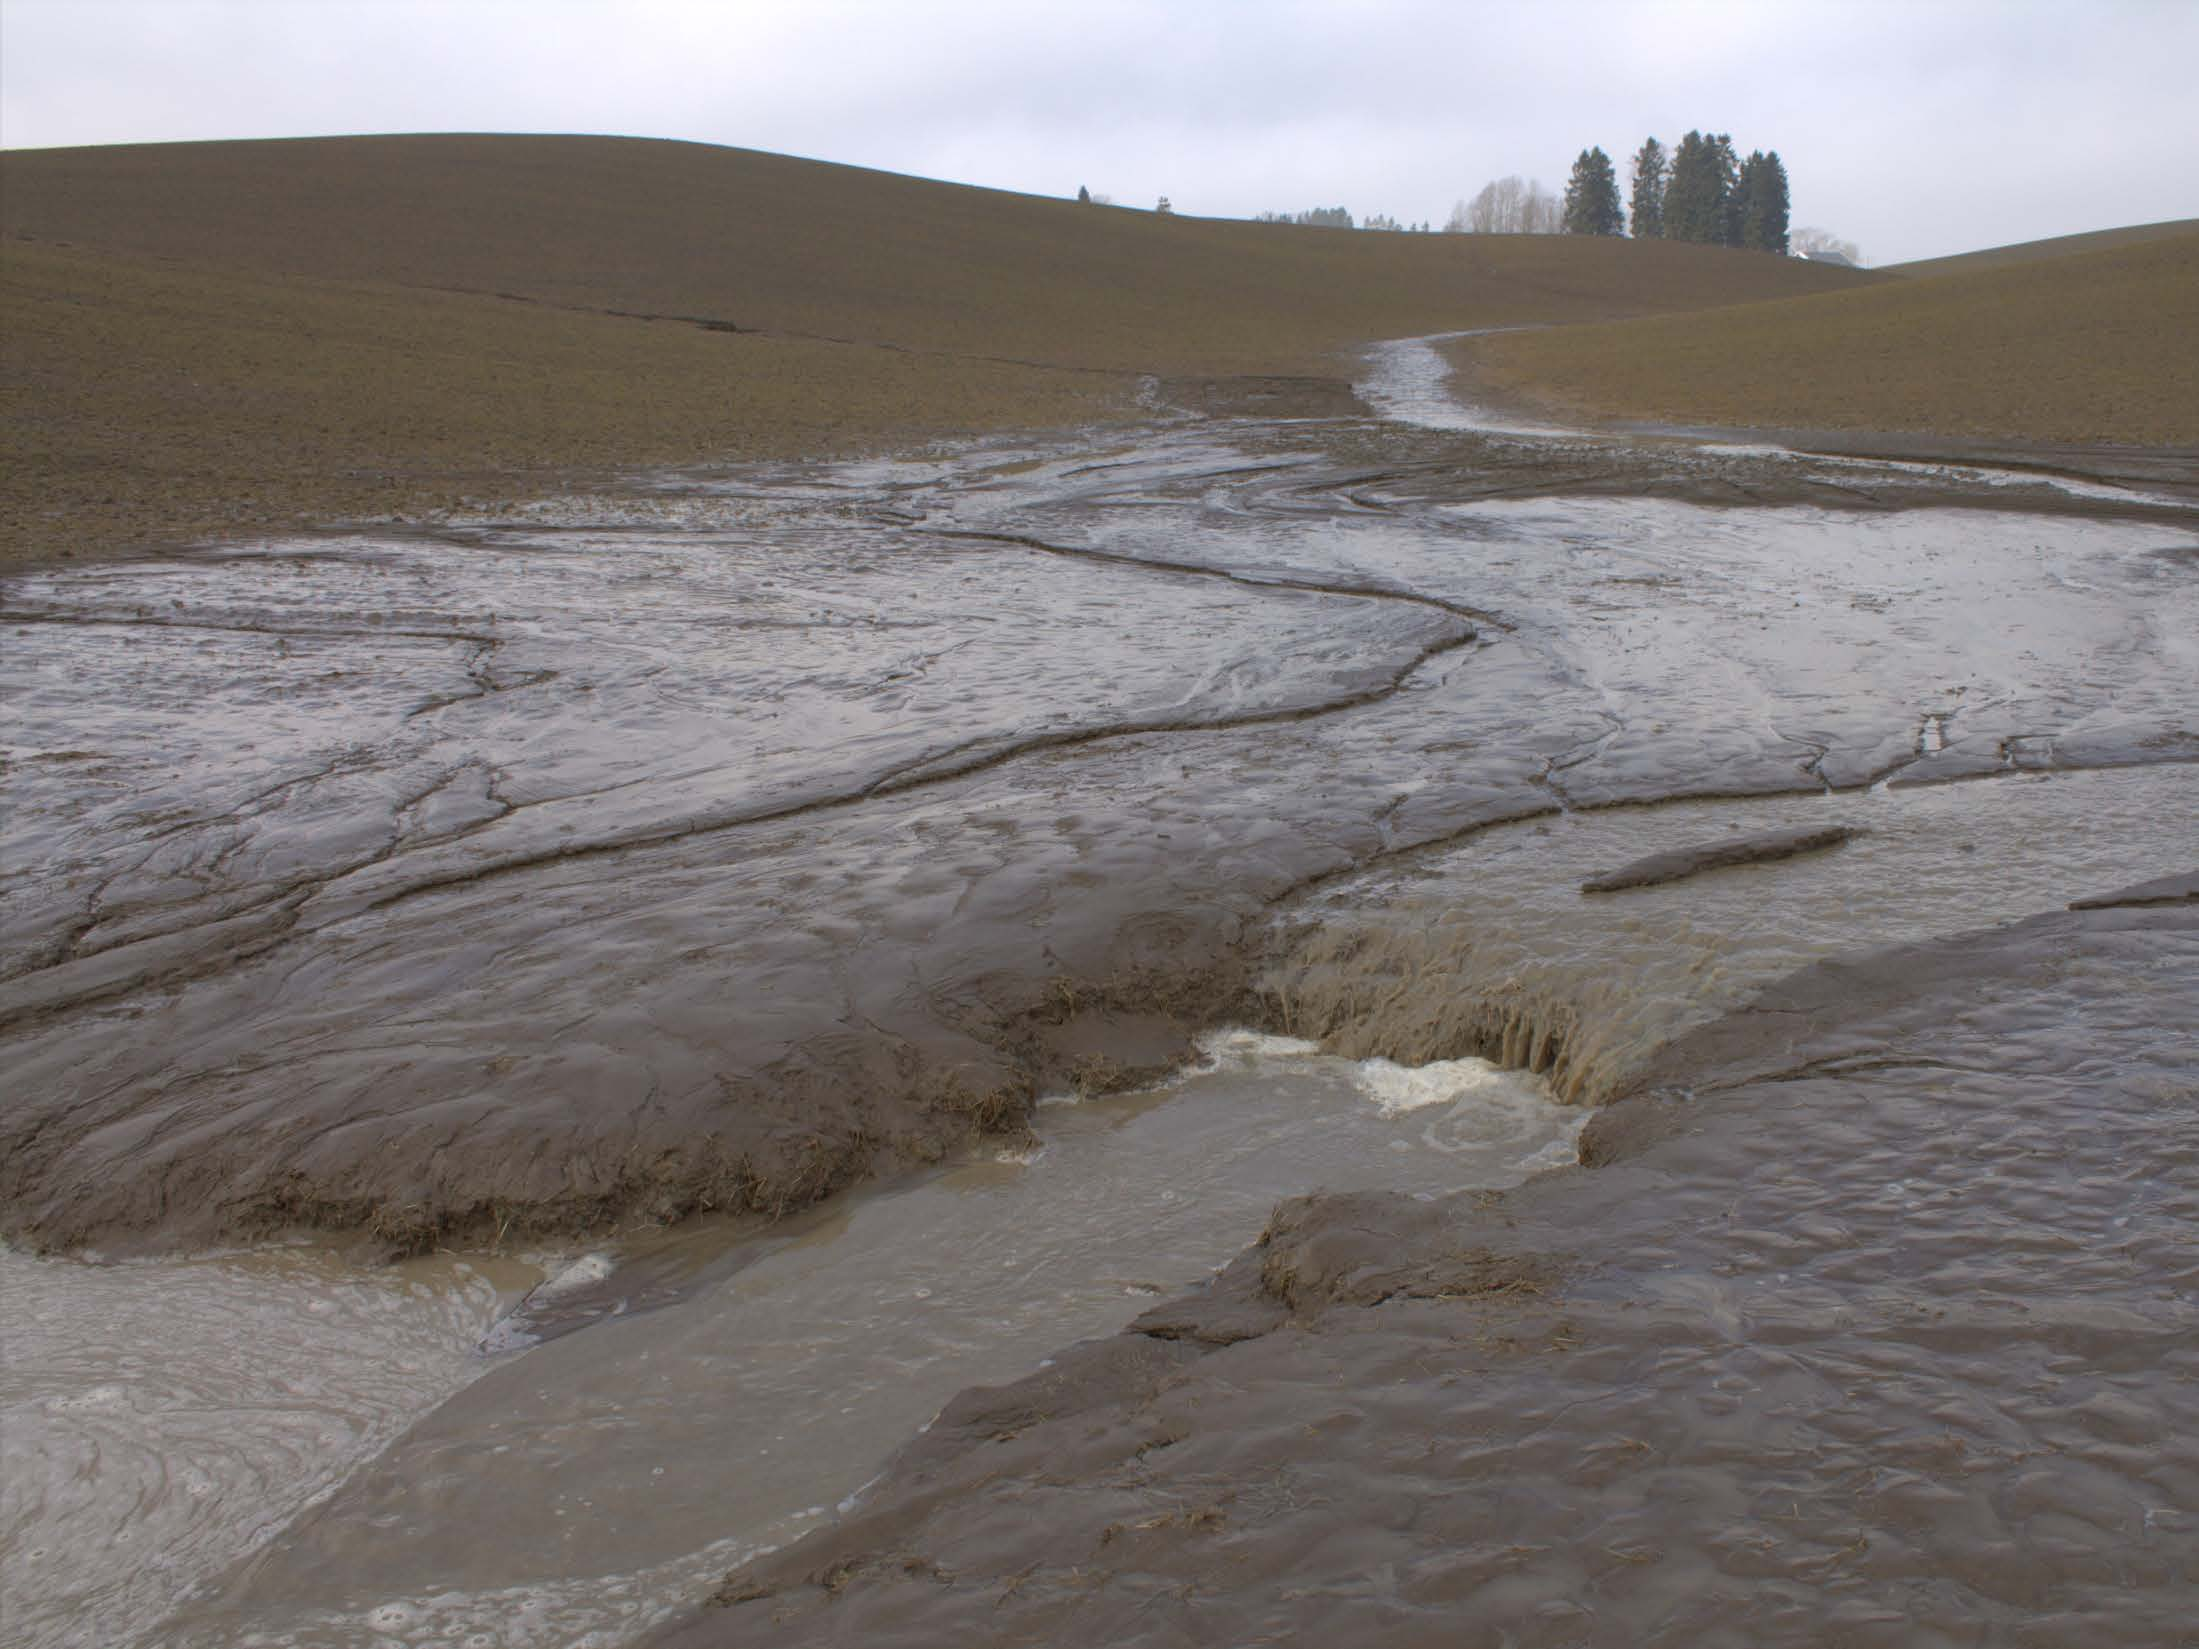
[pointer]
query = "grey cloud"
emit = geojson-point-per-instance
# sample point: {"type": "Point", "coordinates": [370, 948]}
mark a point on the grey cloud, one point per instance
{"type": "Point", "coordinates": [1914, 129]}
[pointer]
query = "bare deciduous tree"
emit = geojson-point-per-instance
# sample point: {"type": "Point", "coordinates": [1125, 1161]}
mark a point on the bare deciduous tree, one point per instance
{"type": "Point", "coordinates": [1509, 206]}
{"type": "Point", "coordinates": [1825, 245]}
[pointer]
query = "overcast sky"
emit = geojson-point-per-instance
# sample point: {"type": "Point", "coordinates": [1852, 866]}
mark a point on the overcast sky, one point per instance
{"type": "Point", "coordinates": [1913, 128]}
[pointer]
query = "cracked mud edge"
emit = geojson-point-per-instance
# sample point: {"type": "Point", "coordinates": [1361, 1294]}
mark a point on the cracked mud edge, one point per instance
{"type": "Point", "coordinates": [945, 767]}
{"type": "Point", "coordinates": [82, 978]}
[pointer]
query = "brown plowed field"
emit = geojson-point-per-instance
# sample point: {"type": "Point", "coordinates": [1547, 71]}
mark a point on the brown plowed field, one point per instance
{"type": "Point", "coordinates": [2090, 346]}
{"type": "Point", "coordinates": [210, 337]}
{"type": "Point", "coordinates": [2033, 251]}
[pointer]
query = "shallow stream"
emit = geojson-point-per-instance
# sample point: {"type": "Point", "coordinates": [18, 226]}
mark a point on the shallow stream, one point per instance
{"type": "Point", "coordinates": [575, 1490]}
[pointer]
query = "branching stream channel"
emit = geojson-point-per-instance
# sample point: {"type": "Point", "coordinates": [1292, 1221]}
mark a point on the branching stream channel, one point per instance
{"type": "Point", "coordinates": [1057, 854]}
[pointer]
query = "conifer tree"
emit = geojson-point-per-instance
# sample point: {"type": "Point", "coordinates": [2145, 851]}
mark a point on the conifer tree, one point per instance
{"type": "Point", "coordinates": [1650, 166]}
{"type": "Point", "coordinates": [1689, 190]}
{"type": "Point", "coordinates": [1728, 168]}
{"type": "Point", "coordinates": [1592, 196]}
{"type": "Point", "coordinates": [1699, 195]}
{"type": "Point", "coordinates": [1762, 201]}
{"type": "Point", "coordinates": [1778, 209]}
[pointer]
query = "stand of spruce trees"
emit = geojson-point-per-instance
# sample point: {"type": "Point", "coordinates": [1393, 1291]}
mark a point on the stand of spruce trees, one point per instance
{"type": "Point", "coordinates": [1698, 192]}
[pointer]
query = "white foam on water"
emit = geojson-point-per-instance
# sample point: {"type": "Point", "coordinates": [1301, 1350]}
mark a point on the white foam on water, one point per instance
{"type": "Point", "coordinates": [585, 1272]}
{"type": "Point", "coordinates": [1479, 1108]}
{"type": "Point", "coordinates": [1472, 1105]}
{"type": "Point", "coordinates": [1236, 1046]}
{"type": "Point", "coordinates": [1401, 1088]}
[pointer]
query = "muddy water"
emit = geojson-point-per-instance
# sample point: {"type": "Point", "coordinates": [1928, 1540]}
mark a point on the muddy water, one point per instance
{"type": "Point", "coordinates": [579, 1492]}
{"type": "Point", "coordinates": [1409, 381]}
{"type": "Point", "coordinates": [1889, 1339]}
{"type": "Point", "coordinates": [159, 1418]}
{"type": "Point", "coordinates": [438, 882]}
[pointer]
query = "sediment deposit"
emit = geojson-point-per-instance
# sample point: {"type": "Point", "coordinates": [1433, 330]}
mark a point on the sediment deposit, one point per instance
{"type": "Point", "coordinates": [710, 845]}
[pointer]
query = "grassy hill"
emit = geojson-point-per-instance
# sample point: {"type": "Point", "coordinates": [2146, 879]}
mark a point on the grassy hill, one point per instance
{"type": "Point", "coordinates": [2099, 344]}
{"type": "Point", "coordinates": [197, 337]}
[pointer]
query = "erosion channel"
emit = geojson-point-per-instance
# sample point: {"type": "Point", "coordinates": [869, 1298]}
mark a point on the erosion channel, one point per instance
{"type": "Point", "coordinates": [767, 952]}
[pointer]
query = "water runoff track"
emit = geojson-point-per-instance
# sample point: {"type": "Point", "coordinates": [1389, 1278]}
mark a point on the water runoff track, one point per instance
{"type": "Point", "coordinates": [457, 884]}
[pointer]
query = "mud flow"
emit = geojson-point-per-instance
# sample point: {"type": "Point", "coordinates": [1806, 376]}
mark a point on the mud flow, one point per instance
{"type": "Point", "coordinates": [577, 900]}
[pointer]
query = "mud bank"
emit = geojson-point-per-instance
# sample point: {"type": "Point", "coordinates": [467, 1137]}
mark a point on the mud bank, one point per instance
{"type": "Point", "coordinates": [717, 848]}
{"type": "Point", "coordinates": [1877, 1322]}
{"type": "Point", "coordinates": [1684, 862]}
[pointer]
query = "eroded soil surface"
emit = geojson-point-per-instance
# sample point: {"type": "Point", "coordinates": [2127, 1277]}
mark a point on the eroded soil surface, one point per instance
{"type": "Point", "coordinates": [712, 847]}
{"type": "Point", "coordinates": [1891, 1338]}
{"type": "Point", "coordinates": [711, 851]}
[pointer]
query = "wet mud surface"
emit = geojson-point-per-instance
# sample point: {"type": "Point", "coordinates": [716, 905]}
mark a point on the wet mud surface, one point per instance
{"type": "Point", "coordinates": [711, 852]}
{"type": "Point", "coordinates": [712, 847]}
{"type": "Point", "coordinates": [1887, 1336]}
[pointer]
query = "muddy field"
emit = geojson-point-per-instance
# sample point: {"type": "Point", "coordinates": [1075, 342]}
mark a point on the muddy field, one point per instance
{"type": "Point", "coordinates": [691, 851]}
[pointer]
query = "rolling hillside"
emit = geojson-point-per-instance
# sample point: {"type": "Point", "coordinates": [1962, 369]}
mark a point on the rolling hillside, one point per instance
{"type": "Point", "coordinates": [198, 338]}
{"type": "Point", "coordinates": [798, 246]}
{"type": "Point", "coordinates": [2090, 346]}
{"type": "Point", "coordinates": [2034, 251]}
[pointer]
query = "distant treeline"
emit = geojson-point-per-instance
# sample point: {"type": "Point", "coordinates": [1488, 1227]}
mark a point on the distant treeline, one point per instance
{"type": "Point", "coordinates": [1701, 190]}
{"type": "Point", "coordinates": [1339, 217]}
